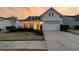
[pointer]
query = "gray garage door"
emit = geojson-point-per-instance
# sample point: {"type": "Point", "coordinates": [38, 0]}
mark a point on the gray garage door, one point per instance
{"type": "Point", "coordinates": [51, 26]}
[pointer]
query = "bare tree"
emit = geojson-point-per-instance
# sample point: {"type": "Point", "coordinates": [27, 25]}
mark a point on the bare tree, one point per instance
{"type": "Point", "coordinates": [13, 20]}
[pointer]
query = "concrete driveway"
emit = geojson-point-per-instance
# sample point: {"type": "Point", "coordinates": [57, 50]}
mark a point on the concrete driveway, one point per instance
{"type": "Point", "coordinates": [58, 40]}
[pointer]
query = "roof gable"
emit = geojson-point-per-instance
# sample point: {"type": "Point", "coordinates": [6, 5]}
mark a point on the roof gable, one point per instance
{"type": "Point", "coordinates": [53, 10]}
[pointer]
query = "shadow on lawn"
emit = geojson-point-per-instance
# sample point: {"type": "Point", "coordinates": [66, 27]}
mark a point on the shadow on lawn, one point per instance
{"type": "Point", "coordinates": [36, 32]}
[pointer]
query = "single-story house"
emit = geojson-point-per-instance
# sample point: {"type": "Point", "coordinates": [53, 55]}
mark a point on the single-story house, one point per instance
{"type": "Point", "coordinates": [49, 20]}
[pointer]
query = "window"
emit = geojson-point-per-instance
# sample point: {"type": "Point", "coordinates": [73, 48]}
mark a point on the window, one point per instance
{"type": "Point", "coordinates": [31, 25]}
{"type": "Point", "coordinates": [26, 25]}
{"type": "Point", "coordinates": [51, 14]}
{"type": "Point", "coordinates": [38, 18]}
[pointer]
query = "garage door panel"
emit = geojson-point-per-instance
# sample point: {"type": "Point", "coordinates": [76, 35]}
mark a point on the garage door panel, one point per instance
{"type": "Point", "coordinates": [51, 26]}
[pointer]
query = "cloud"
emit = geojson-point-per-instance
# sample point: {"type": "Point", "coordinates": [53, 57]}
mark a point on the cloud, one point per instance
{"type": "Point", "coordinates": [68, 10]}
{"type": "Point", "coordinates": [23, 12]}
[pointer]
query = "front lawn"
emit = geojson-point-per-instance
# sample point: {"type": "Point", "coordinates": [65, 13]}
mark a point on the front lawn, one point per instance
{"type": "Point", "coordinates": [24, 36]}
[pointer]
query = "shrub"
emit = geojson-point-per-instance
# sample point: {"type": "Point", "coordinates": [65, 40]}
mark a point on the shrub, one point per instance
{"type": "Point", "coordinates": [10, 27]}
{"type": "Point", "coordinates": [76, 27]}
{"type": "Point", "coordinates": [64, 27]}
{"type": "Point", "coordinates": [20, 29]}
{"type": "Point", "coordinates": [0, 29]}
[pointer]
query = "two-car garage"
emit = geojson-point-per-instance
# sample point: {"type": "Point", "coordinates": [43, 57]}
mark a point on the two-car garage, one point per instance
{"type": "Point", "coordinates": [51, 26]}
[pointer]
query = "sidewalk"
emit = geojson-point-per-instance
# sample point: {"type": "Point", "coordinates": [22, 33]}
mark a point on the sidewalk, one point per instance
{"type": "Point", "coordinates": [23, 45]}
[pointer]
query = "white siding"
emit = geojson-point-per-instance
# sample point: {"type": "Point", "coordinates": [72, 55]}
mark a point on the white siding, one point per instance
{"type": "Point", "coordinates": [51, 22]}
{"type": "Point", "coordinates": [55, 16]}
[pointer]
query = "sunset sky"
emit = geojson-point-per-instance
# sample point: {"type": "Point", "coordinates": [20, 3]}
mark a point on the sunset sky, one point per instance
{"type": "Point", "coordinates": [23, 12]}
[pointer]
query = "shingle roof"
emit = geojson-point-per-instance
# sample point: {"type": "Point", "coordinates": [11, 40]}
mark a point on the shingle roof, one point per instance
{"type": "Point", "coordinates": [32, 18]}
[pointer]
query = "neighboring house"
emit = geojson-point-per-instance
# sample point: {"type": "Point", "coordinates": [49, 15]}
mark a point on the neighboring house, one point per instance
{"type": "Point", "coordinates": [70, 20]}
{"type": "Point", "coordinates": [49, 20]}
{"type": "Point", "coordinates": [4, 22]}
